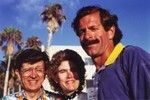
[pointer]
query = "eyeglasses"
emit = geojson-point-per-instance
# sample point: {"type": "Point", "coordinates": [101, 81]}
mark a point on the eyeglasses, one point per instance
{"type": "Point", "coordinates": [28, 71]}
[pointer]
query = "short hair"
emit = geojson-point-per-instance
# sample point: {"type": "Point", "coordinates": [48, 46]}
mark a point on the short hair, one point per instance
{"type": "Point", "coordinates": [55, 62]}
{"type": "Point", "coordinates": [107, 20]}
{"type": "Point", "coordinates": [31, 56]}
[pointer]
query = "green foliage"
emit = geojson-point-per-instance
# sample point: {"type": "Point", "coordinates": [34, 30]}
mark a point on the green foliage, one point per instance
{"type": "Point", "coordinates": [9, 38]}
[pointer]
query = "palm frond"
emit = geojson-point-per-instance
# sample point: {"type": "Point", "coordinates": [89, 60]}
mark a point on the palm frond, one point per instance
{"type": "Point", "coordinates": [53, 15]}
{"type": "Point", "coordinates": [33, 42]}
{"type": "Point", "coordinates": [10, 37]}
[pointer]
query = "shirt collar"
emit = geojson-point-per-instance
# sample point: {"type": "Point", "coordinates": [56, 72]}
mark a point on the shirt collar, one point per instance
{"type": "Point", "coordinates": [115, 53]}
{"type": "Point", "coordinates": [22, 96]}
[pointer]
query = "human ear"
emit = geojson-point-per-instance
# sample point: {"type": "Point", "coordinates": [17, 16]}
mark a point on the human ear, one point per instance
{"type": "Point", "coordinates": [18, 74]}
{"type": "Point", "coordinates": [111, 32]}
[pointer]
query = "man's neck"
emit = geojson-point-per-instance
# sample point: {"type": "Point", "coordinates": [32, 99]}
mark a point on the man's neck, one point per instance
{"type": "Point", "coordinates": [99, 61]}
{"type": "Point", "coordinates": [33, 95]}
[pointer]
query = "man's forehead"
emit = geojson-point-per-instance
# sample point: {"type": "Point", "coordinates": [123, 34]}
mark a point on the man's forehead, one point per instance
{"type": "Point", "coordinates": [91, 18]}
{"type": "Point", "coordinates": [38, 64]}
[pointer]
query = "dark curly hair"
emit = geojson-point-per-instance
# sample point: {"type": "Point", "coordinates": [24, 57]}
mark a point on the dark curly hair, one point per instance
{"type": "Point", "coordinates": [108, 20]}
{"type": "Point", "coordinates": [55, 62]}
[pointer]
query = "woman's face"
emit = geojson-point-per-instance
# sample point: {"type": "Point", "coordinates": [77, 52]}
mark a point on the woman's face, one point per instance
{"type": "Point", "coordinates": [67, 77]}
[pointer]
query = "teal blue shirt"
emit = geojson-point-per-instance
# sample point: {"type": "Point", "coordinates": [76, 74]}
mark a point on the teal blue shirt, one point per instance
{"type": "Point", "coordinates": [21, 96]}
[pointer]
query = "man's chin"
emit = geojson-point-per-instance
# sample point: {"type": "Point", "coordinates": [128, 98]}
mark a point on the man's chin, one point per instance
{"type": "Point", "coordinates": [91, 54]}
{"type": "Point", "coordinates": [88, 50]}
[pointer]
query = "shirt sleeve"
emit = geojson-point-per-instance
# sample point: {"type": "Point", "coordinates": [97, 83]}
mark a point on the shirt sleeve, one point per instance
{"type": "Point", "coordinates": [138, 67]}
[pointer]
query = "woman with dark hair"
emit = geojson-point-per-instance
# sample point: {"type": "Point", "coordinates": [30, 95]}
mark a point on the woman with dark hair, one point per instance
{"type": "Point", "coordinates": [67, 75]}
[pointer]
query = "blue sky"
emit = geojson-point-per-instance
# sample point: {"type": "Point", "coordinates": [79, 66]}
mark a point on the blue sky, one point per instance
{"type": "Point", "coordinates": [134, 19]}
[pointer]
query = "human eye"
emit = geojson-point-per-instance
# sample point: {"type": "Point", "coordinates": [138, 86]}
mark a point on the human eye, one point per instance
{"type": "Point", "coordinates": [62, 71]}
{"type": "Point", "coordinates": [27, 70]}
{"type": "Point", "coordinates": [39, 70]}
{"type": "Point", "coordinates": [94, 28]}
{"type": "Point", "coordinates": [81, 32]}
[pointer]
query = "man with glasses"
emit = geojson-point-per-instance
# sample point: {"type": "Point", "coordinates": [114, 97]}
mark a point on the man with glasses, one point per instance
{"type": "Point", "coordinates": [30, 67]}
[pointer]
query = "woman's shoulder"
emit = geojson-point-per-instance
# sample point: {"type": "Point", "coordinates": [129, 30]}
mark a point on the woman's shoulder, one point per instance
{"type": "Point", "coordinates": [52, 95]}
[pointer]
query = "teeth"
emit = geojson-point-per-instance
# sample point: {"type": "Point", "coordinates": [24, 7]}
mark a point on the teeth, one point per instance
{"type": "Point", "coordinates": [69, 81]}
{"type": "Point", "coordinates": [33, 81]}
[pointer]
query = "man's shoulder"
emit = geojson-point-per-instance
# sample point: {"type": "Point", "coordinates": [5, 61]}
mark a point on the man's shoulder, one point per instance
{"type": "Point", "coordinates": [133, 53]}
{"type": "Point", "coordinates": [132, 50]}
{"type": "Point", "coordinates": [13, 96]}
{"type": "Point", "coordinates": [10, 97]}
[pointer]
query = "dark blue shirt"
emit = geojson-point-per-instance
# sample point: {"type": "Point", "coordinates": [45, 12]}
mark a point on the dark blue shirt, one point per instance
{"type": "Point", "coordinates": [127, 78]}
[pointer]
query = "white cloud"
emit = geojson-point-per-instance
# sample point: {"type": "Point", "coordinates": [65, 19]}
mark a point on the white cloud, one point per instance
{"type": "Point", "coordinates": [30, 5]}
{"type": "Point", "coordinates": [20, 21]}
{"type": "Point", "coordinates": [29, 13]}
{"type": "Point", "coordinates": [71, 4]}
{"type": "Point", "coordinates": [37, 25]}
{"type": "Point", "coordinates": [74, 3]}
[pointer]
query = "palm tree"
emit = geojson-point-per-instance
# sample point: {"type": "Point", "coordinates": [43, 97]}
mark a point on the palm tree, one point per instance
{"type": "Point", "coordinates": [13, 82]}
{"type": "Point", "coordinates": [9, 38]}
{"type": "Point", "coordinates": [2, 76]}
{"type": "Point", "coordinates": [33, 42]}
{"type": "Point", "coordinates": [53, 16]}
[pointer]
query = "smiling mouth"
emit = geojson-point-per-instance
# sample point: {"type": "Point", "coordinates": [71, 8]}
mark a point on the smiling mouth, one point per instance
{"type": "Point", "coordinates": [33, 81]}
{"type": "Point", "coordinates": [70, 81]}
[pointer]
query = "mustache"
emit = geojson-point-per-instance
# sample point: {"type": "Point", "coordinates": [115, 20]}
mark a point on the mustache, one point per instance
{"type": "Point", "coordinates": [89, 42]}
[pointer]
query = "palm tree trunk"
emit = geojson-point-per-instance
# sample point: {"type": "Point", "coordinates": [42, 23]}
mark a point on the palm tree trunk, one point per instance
{"type": "Point", "coordinates": [50, 35]}
{"type": "Point", "coordinates": [7, 76]}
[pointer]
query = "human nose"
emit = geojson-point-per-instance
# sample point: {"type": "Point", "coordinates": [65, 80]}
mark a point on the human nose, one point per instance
{"type": "Point", "coordinates": [87, 34]}
{"type": "Point", "coordinates": [33, 73]}
{"type": "Point", "coordinates": [69, 74]}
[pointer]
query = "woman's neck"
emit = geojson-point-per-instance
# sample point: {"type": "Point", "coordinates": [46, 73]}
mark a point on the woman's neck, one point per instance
{"type": "Point", "coordinates": [70, 95]}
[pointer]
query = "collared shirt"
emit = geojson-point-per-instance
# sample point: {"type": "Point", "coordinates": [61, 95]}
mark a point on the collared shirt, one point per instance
{"type": "Point", "coordinates": [125, 75]}
{"type": "Point", "coordinates": [113, 56]}
{"type": "Point", "coordinates": [115, 53]}
{"type": "Point", "coordinates": [22, 96]}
